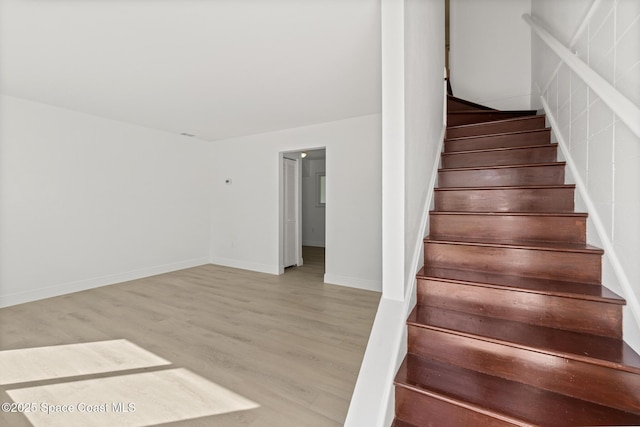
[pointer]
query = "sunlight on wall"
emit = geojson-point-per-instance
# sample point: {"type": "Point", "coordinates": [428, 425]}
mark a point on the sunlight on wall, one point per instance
{"type": "Point", "coordinates": [131, 399]}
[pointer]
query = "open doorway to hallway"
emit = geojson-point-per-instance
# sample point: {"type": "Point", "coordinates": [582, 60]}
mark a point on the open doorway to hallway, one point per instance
{"type": "Point", "coordinates": [303, 242]}
{"type": "Point", "coordinates": [313, 267]}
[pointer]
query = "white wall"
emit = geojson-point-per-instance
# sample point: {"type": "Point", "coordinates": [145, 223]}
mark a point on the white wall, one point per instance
{"type": "Point", "coordinates": [490, 57]}
{"type": "Point", "coordinates": [602, 152]}
{"type": "Point", "coordinates": [424, 129]}
{"type": "Point", "coordinates": [563, 16]}
{"type": "Point", "coordinates": [393, 158]}
{"type": "Point", "coordinates": [412, 108]}
{"type": "Point", "coordinates": [245, 214]}
{"type": "Point", "coordinates": [313, 215]}
{"type": "Point", "coordinates": [87, 201]}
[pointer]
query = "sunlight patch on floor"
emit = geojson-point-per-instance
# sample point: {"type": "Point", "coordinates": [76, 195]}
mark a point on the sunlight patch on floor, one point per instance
{"type": "Point", "coordinates": [163, 395]}
{"type": "Point", "coordinates": [60, 361]}
{"type": "Point", "coordinates": [130, 400]}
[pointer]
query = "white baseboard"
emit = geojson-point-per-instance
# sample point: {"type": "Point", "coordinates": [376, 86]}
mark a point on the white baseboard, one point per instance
{"type": "Point", "coordinates": [96, 282]}
{"type": "Point", "coordinates": [246, 265]}
{"type": "Point", "coordinates": [353, 282]}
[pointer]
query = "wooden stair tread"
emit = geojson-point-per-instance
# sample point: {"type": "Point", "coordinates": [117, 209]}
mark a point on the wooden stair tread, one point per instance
{"type": "Point", "coordinates": [587, 348]}
{"type": "Point", "coordinates": [466, 116]}
{"type": "Point", "coordinates": [513, 198]}
{"type": "Point", "coordinates": [537, 214]}
{"type": "Point", "coordinates": [489, 135]}
{"type": "Point", "coordinates": [576, 290]}
{"type": "Point", "coordinates": [501, 398]}
{"type": "Point", "coordinates": [522, 165]}
{"type": "Point", "coordinates": [482, 111]}
{"type": "Point", "coordinates": [500, 149]}
{"type": "Point", "coordinates": [491, 112]}
{"type": "Point", "coordinates": [518, 244]}
{"type": "Point", "coordinates": [512, 324]}
{"type": "Point", "coordinates": [518, 187]}
{"type": "Point", "coordinates": [512, 119]}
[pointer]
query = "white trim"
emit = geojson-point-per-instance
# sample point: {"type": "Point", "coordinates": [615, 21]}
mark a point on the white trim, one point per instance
{"type": "Point", "coordinates": [609, 249]}
{"type": "Point", "coordinates": [353, 282]}
{"type": "Point", "coordinates": [626, 110]}
{"type": "Point", "coordinates": [247, 265]}
{"type": "Point", "coordinates": [96, 282]}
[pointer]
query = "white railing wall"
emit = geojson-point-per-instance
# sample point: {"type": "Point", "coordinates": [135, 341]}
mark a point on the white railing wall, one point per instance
{"type": "Point", "coordinates": [574, 40]}
{"type": "Point", "coordinates": [591, 100]}
{"type": "Point", "coordinates": [628, 112]}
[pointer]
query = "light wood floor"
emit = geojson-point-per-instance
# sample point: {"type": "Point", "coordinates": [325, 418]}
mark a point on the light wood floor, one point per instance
{"type": "Point", "coordinates": [289, 343]}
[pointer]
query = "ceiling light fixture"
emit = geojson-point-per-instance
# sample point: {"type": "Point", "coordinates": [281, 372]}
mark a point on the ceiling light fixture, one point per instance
{"type": "Point", "coordinates": [303, 154]}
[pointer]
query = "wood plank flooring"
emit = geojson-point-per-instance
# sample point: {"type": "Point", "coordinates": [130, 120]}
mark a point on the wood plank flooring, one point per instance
{"type": "Point", "coordinates": [289, 343]}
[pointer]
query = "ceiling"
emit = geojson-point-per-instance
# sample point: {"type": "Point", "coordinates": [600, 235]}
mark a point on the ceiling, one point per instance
{"type": "Point", "coordinates": [212, 68]}
{"type": "Point", "coordinates": [316, 154]}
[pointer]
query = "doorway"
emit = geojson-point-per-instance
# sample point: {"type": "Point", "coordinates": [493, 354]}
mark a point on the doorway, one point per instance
{"type": "Point", "coordinates": [303, 210]}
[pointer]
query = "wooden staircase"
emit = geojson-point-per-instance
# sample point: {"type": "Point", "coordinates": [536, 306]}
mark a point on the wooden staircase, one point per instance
{"type": "Point", "coordinates": [512, 325]}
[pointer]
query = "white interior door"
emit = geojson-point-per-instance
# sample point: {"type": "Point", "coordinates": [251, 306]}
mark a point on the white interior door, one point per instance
{"type": "Point", "coordinates": [291, 214]}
